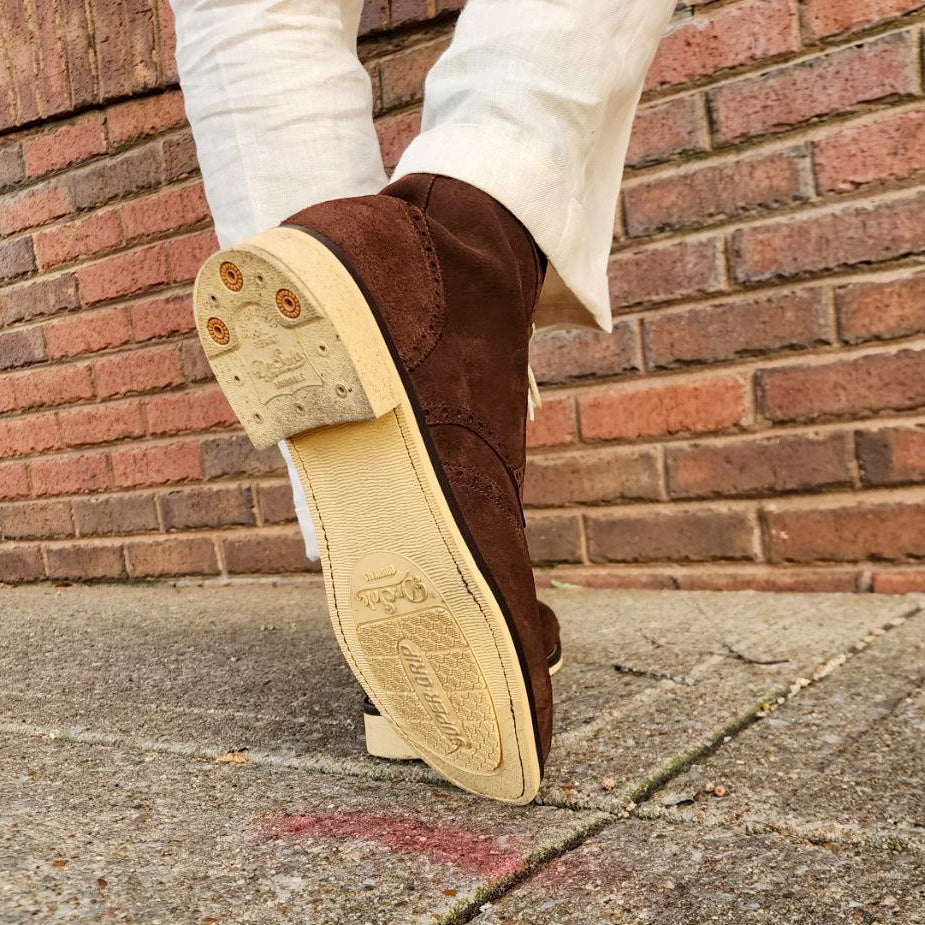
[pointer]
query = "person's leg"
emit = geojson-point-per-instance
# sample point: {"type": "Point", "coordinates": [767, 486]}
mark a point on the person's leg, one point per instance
{"type": "Point", "coordinates": [533, 103]}
{"type": "Point", "coordinates": [281, 113]}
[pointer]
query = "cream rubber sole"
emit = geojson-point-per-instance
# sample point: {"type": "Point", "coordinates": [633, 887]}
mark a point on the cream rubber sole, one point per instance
{"type": "Point", "coordinates": [383, 741]}
{"type": "Point", "coordinates": [298, 352]}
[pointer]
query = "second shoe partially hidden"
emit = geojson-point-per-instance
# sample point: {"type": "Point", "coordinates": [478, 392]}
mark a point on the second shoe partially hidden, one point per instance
{"type": "Point", "coordinates": [385, 338]}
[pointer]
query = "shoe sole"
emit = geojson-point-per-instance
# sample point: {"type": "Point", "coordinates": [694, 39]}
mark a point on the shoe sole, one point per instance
{"type": "Point", "coordinates": [383, 741]}
{"type": "Point", "coordinates": [297, 350]}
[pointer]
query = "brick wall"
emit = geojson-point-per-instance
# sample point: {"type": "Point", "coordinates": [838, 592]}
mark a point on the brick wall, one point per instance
{"type": "Point", "coordinates": [757, 418]}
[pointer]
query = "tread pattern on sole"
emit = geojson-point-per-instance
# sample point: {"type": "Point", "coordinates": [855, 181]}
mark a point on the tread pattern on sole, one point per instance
{"type": "Point", "coordinates": [426, 674]}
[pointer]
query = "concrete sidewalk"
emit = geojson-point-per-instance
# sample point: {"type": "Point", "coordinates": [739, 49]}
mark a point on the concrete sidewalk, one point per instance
{"type": "Point", "coordinates": [194, 755]}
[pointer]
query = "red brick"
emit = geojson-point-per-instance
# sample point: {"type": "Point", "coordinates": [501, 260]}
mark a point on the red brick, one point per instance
{"type": "Point", "coordinates": [405, 11]}
{"type": "Point", "coordinates": [403, 73]}
{"type": "Point", "coordinates": [823, 18]}
{"type": "Point", "coordinates": [36, 520]}
{"type": "Point", "coordinates": [218, 506]}
{"type": "Point", "coordinates": [168, 36]}
{"type": "Point", "coordinates": [111, 47]}
{"type": "Point", "coordinates": [589, 477]}
{"type": "Point", "coordinates": [201, 409]}
{"type": "Point", "coordinates": [559, 356]}
{"type": "Point", "coordinates": [88, 332]}
{"type": "Point", "coordinates": [235, 455]}
{"type": "Point", "coordinates": [168, 210]}
{"type": "Point", "coordinates": [65, 145]}
{"type": "Point", "coordinates": [58, 385]}
{"type": "Point", "coordinates": [21, 61]}
{"type": "Point", "coordinates": [628, 412]}
{"type": "Point", "coordinates": [889, 531]}
{"type": "Point", "coordinates": [375, 16]}
{"type": "Point", "coordinates": [671, 536]}
{"type": "Point", "coordinates": [396, 132]}
{"type": "Point", "coordinates": [665, 273]}
{"type": "Point", "coordinates": [890, 149]}
{"type": "Point", "coordinates": [21, 563]}
{"type": "Point", "coordinates": [141, 35]}
{"type": "Point", "coordinates": [16, 258]}
{"type": "Point", "coordinates": [174, 556]}
{"type": "Point", "coordinates": [195, 365]}
{"type": "Point", "coordinates": [744, 327]}
{"type": "Point", "coordinates": [794, 95]}
{"type": "Point", "coordinates": [266, 553]}
{"type": "Point", "coordinates": [115, 177]}
{"type": "Point", "coordinates": [21, 348]}
{"type": "Point", "coordinates": [760, 467]}
{"type": "Point", "coordinates": [881, 310]}
{"type": "Point", "coordinates": [101, 423]}
{"type": "Point", "coordinates": [79, 473]}
{"type": "Point", "coordinates": [160, 464]}
{"type": "Point", "coordinates": [11, 165]}
{"type": "Point", "coordinates": [554, 537]}
{"type": "Point", "coordinates": [730, 37]}
{"type": "Point", "coordinates": [14, 481]}
{"type": "Point", "coordinates": [84, 237]}
{"type": "Point", "coordinates": [41, 297]}
{"type": "Point", "coordinates": [162, 317]}
{"type": "Point", "coordinates": [884, 382]}
{"type": "Point", "coordinates": [53, 73]}
{"type": "Point", "coordinates": [554, 424]}
{"type": "Point", "coordinates": [123, 274]}
{"type": "Point", "coordinates": [276, 504]}
{"type": "Point", "coordinates": [84, 561]}
{"type": "Point", "coordinates": [666, 131]}
{"type": "Point", "coordinates": [34, 207]}
{"type": "Point", "coordinates": [707, 193]}
{"type": "Point", "coordinates": [34, 433]}
{"type": "Point", "coordinates": [115, 515]}
{"type": "Point", "coordinates": [7, 395]}
{"type": "Point", "coordinates": [852, 235]}
{"type": "Point", "coordinates": [188, 254]}
{"type": "Point", "coordinates": [179, 155]}
{"type": "Point", "coordinates": [892, 455]}
{"type": "Point", "coordinates": [141, 370]}
{"type": "Point", "coordinates": [146, 116]}
{"type": "Point", "coordinates": [769, 579]}
{"type": "Point", "coordinates": [898, 582]}
{"type": "Point", "coordinates": [76, 33]}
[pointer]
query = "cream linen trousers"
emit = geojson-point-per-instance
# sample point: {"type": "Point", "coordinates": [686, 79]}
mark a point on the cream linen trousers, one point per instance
{"type": "Point", "coordinates": [533, 102]}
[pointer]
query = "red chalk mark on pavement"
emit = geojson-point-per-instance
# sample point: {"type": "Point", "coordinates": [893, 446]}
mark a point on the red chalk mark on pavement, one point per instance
{"type": "Point", "coordinates": [471, 852]}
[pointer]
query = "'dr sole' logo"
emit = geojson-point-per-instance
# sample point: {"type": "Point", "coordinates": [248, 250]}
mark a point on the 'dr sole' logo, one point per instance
{"type": "Point", "coordinates": [276, 368]}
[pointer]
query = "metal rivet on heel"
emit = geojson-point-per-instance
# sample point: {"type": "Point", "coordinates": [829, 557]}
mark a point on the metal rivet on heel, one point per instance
{"type": "Point", "coordinates": [231, 276]}
{"type": "Point", "coordinates": [218, 331]}
{"type": "Point", "coordinates": [288, 303]}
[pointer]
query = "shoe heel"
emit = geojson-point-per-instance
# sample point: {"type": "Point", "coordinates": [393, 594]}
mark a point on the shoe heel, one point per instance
{"type": "Point", "coordinates": [290, 337]}
{"type": "Point", "coordinates": [382, 741]}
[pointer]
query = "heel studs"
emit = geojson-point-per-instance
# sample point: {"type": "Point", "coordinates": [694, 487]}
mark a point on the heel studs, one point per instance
{"type": "Point", "coordinates": [231, 276]}
{"type": "Point", "coordinates": [218, 331]}
{"type": "Point", "coordinates": [288, 303]}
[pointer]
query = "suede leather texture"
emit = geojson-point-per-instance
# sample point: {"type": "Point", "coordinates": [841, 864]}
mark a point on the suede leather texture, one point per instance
{"type": "Point", "coordinates": [454, 278]}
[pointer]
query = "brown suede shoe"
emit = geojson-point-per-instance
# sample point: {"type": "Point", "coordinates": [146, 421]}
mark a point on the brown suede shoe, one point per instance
{"type": "Point", "coordinates": [386, 338]}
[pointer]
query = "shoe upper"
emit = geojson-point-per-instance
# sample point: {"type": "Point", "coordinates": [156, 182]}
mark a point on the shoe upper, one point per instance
{"type": "Point", "coordinates": [454, 279]}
